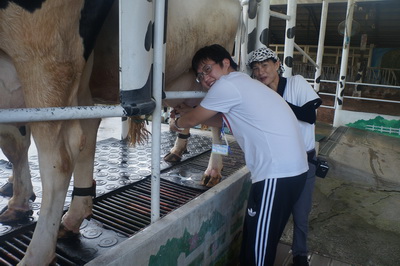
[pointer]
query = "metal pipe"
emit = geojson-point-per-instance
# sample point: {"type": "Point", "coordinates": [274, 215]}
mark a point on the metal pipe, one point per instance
{"type": "Point", "coordinates": [289, 38]}
{"type": "Point", "coordinates": [298, 48]}
{"type": "Point", "coordinates": [184, 94]}
{"type": "Point", "coordinates": [136, 57]}
{"type": "Point", "coordinates": [343, 66]}
{"type": "Point", "coordinates": [371, 99]}
{"type": "Point", "coordinates": [321, 43]}
{"type": "Point", "coordinates": [14, 115]}
{"type": "Point", "coordinates": [251, 26]}
{"type": "Point", "coordinates": [279, 15]}
{"type": "Point", "coordinates": [354, 83]}
{"type": "Point", "coordinates": [159, 66]}
{"type": "Point", "coordinates": [244, 44]}
{"type": "Point", "coordinates": [238, 40]}
{"type": "Point", "coordinates": [263, 17]}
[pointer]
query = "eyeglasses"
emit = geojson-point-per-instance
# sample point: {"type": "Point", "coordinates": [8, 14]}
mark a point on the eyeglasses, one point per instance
{"type": "Point", "coordinates": [206, 71]}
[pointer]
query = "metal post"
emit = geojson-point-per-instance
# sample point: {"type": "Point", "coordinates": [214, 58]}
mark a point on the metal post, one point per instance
{"type": "Point", "coordinates": [15, 115]}
{"type": "Point", "coordinates": [279, 15]}
{"type": "Point", "coordinates": [124, 127]}
{"type": "Point", "coordinates": [371, 50]}
{"type": "Point", "coordinates": [243, 46]}
{"type": "Point", "coordinates": [321, 43]}
{"type": "Point", "coordinates": [343, 66]}
{"type": "Point", "coordinates": [135, 42]}
{"type": "Point", "coordinates": [306, 57]}
{"type": "Point", "coordinates": [136, 57]}
{"type": "Point", "coordinates": [158, 84]}
{"type": "Point", "coordinates": [238, 40]}
{"type": "Point", "coordinates": [252, 34]}
{"type": "Point", "coordinates": [289, 37]}
{"type": "Point", "coordinates": [263, 18]}
{"type": "Point", "coordinates": [184, 94]}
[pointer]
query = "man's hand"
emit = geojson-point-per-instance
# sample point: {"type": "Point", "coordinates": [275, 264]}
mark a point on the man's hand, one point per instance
{"type": "Point", "coordinates": [173, 114]}
{"type": "Point", "coordinates": [182, 109]}
{"type": "Point", "coordinates": [173, 126]}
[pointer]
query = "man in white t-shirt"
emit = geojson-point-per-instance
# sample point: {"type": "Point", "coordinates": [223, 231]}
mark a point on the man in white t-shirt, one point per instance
{"type": "Point", "coordinates": [268, 133]}
{"type": "Point", "coordinates": [304, 101]}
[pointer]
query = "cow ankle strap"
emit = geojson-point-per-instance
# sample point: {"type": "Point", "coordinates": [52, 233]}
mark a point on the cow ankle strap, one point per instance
{"type": "Point", "coordinates": [183, 136]}
{"type": "Point", "coordinates": [88, 191]}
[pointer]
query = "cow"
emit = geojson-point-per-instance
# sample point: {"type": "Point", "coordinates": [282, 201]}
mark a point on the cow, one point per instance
{"type": "Point", "coordinates": [49, 51]}
{"type": "Point", "coordinates": [15, 140]}
{"type": "Point", "coordinates": [50, 44]}
{"type": "Point", "coordinates": [178, 75]}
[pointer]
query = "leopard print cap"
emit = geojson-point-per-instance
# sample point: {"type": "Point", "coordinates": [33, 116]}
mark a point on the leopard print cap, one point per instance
{"type": "Point", "coordinates": [263, 54]}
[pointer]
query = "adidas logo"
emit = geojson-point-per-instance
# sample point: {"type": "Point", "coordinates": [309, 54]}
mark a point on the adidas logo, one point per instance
{"type": "Point", "coordinates": [251, 212]}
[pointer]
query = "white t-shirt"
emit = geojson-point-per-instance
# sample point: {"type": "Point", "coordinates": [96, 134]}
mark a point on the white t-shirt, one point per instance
{"type": "Point", "coordinates": [299, 92]}
{"type": "Point", "coordinates": [263, 125]}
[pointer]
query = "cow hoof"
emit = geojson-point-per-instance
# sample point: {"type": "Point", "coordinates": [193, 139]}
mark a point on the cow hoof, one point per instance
{"type": "Point", "coordinates": [214, 181]}
{"type": "Point", "coordinates": [7, 191]}
{"type": "Point", "coordinates": [65, 233]}
{"type": "Point", "coordinates": [10, 216]}
{"type": "Point", "coordinates": [173, 157]}
{"type": "Point", "coordinates": [204, 180]}
{"type": "Point", "coordinates": [209, 181]}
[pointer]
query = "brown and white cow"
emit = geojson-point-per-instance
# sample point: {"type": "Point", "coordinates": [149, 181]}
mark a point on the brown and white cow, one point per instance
{"type": "Point", "coordinates": [49, 43]}
{"type": "Point", "coordinates": [15, 140]}
{"type": "Point", "coordinates": [194, 21]}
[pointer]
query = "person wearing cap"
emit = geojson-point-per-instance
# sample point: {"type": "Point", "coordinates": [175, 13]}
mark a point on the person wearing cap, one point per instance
{"type": "Point", "coordinates": [304, 101]}
{"type": "Point", "coordinates": [268, 133]}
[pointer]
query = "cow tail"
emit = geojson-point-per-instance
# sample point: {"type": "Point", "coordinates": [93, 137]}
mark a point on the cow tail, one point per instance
{"type": "Point", "coordinates": [138, 133]}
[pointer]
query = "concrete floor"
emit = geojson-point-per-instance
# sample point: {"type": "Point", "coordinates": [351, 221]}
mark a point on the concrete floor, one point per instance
{"type": "Point", "coordinates": [355, 217]}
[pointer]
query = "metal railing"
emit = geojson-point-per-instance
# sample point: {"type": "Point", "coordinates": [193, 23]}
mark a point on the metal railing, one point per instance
{"type": "Point", "coordinates": [373, 75]}
{"type": "Point", "coordinates": [385, 76]}
{"type": "Point", "coordinates": [311, 81]}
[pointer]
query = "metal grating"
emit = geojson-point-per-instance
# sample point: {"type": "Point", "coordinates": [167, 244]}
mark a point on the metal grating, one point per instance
{"type": "Point", "coordinates": [128, 211]}
{"type": "Point", "coordinates": [330, 143]}
{"type": "Point", "coordinates": [13, 249]}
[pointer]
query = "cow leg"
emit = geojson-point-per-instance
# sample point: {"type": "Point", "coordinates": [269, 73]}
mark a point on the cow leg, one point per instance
{"type": "Point", "coordinates": [15, 143]}
{"type": "Point", "coordinates": [180, 147]}
{"type": "Point", "coordinates": [212, 175]}
{"type": "Point", "coordinates": [57, 155]}
{"type": "Point", "coordinates": [58, 144]}
{"type": "Point", "coordinates": [84, 186]}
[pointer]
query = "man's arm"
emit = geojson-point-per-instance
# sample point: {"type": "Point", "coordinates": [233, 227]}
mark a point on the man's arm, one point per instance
{"type": "Point", "coordinates": [215, 121]}
{"type": "Point", "coordinates": [198, 115]}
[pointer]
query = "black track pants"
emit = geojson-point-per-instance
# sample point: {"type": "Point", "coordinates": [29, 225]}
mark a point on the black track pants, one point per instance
{"type": "Point", "coordinates": [269, 207]}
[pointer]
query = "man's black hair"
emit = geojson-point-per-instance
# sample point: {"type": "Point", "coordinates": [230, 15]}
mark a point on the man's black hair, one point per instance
{"type": "Point", "coordinates": [214, 52]}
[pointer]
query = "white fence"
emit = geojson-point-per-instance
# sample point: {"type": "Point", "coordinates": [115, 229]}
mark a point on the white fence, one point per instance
{"type": "Point", "coordinates": [383, 129]}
